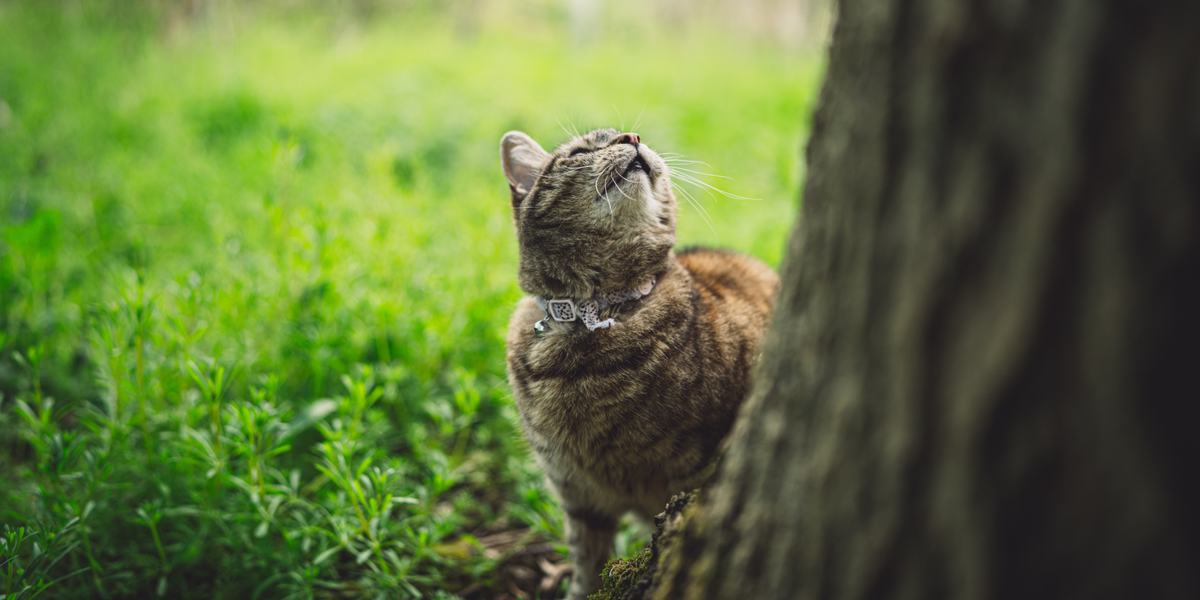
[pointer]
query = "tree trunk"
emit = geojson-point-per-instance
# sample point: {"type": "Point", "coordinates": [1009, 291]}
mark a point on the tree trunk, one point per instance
{"type": "Point", "coordinates": [979, 382]}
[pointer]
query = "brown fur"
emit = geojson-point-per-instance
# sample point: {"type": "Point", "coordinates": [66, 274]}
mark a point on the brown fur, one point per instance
{"type": "Point", "coordinates": [622, 418]}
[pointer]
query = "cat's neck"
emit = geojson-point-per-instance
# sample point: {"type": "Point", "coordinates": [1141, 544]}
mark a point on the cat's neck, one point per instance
{"type": "Point", "coordinates": [580, 282]}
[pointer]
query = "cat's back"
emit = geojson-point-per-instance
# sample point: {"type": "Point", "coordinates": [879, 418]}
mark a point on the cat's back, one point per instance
{"type": "Point", "coordinates": [740, 289]}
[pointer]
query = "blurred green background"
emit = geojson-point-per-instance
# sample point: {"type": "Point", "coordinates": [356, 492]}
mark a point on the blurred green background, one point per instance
{"type": "Point", "coordinates": [256, 263]}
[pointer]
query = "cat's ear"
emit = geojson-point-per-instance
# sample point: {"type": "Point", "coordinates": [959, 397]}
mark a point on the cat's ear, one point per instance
{"type": "Point", "coordinates": [522, 159]}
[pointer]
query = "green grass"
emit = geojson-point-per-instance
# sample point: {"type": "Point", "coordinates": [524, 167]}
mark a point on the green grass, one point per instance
{"type": "Point", "coordinates": [255, 275]}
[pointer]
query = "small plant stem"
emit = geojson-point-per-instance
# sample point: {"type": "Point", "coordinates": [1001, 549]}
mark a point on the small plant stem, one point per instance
{"type": "Point", "coordinates": [93, 565]}
{"type": "Point", "coordinates": [162, 555]}
{"type": "Point", "coordinates": [140, 386]}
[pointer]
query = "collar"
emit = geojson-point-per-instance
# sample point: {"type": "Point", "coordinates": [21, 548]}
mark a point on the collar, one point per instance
{"type": "Point", "coordinates": [565, 310]}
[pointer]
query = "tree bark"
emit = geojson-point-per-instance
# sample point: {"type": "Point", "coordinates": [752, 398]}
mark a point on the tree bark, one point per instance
{"type": "Point", "coordinates": [980, 379]}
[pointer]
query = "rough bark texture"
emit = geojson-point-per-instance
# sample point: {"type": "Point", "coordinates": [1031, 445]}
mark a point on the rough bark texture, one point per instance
{"type": "Point", "coordinates": [980, 379]}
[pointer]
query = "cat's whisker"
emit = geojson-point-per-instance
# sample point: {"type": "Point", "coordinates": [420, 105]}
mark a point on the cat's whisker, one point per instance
{"type": "Point", "coordinates": [676, 164]}
{"type": "Point", "coordinates": [619, 187]}
{"type": "Point", "coordinates": [679, 188]}
{"type": "Point", "coordinates": [596, 186]}
{"type": "Point", "coordinates": [685, 161]}
{"type": "Point", "coordinates": [704, 214]}
{"type": "Point", "coordinates": [676, 168]}
{"type": "Point", "coordinates": [697, 182]}
{"type": "Point", "coordinates": [568, 129]}
{"type": "Point", "coordinates": [696, 203]}
{"type": "Point", "coordinates": [620, 117]}
{"type": "Point", "coordinates": [676, 156]}
{"type": "Point", "coordinates": [563, 128]}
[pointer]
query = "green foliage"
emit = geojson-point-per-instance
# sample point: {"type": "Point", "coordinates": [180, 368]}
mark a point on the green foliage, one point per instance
{"type": "Point", "coordinates": [255, 274]}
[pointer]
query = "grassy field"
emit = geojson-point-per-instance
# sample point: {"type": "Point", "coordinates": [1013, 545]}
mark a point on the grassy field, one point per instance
{"type": "Point", "coordinates": [255, 273]}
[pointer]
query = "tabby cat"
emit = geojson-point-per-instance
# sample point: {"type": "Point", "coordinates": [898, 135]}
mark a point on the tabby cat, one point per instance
{"type": "Point", "coordinates": [628, 361]}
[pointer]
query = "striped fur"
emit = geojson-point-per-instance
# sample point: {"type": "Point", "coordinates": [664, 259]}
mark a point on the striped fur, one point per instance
{"type": "Point", "coordinates": [622, 418]}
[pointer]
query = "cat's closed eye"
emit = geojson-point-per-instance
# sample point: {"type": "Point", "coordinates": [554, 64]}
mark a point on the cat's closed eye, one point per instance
{"type": "Point", "coordinates": [578, 151]}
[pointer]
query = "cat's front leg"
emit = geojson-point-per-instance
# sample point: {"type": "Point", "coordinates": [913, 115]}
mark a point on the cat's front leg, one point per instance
{"type": "Point", "coordinates": [590, 535]}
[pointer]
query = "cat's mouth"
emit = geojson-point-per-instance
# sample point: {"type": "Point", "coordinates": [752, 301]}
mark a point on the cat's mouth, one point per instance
{"type": "Point", "coordinates": [637, 164]}
{"type": "Point", "coordinates": [626, 174]}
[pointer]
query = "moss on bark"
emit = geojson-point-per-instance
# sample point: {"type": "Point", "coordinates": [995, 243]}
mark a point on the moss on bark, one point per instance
{"type": "Point", "coordinates": [634, 578]}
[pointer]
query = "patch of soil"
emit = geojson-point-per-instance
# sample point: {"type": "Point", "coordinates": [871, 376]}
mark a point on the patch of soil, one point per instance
{"type": "Point", "coordinates": [529, 567]}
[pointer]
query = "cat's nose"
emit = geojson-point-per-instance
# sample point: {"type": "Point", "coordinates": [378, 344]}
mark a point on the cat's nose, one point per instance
{"type": "Point", "coordinates": [629, 138]}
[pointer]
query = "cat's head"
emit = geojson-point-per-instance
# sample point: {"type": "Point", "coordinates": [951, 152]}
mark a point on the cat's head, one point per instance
{"type": "Point", "coordinates": [594, 215]}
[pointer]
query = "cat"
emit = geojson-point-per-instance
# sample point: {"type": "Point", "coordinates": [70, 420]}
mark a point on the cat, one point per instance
{"type": "Point", "coordinates": [627, 360]}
